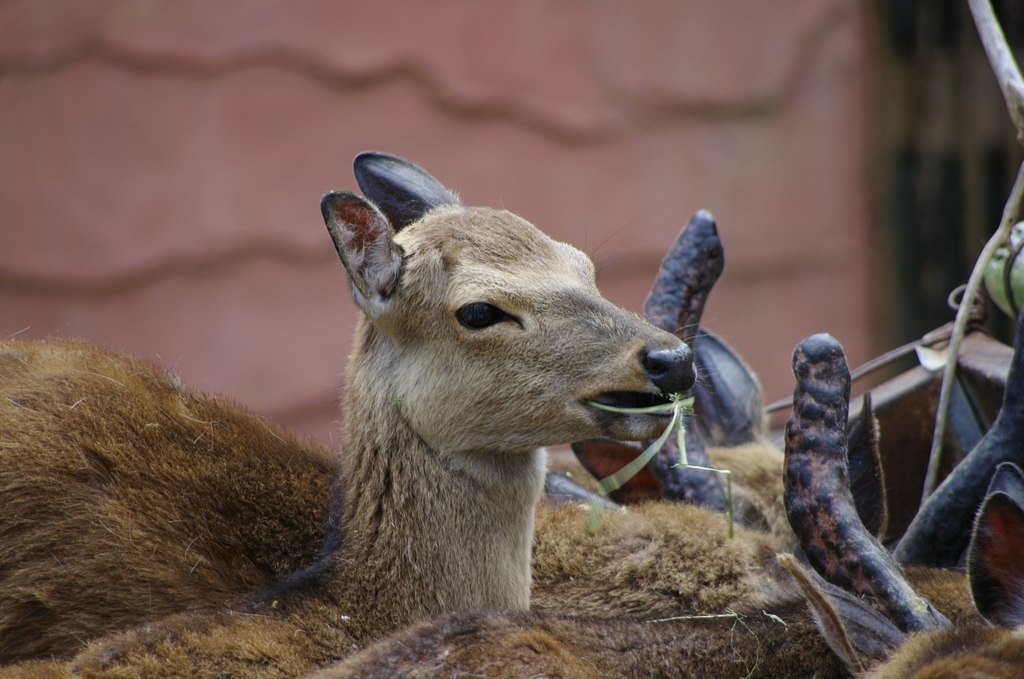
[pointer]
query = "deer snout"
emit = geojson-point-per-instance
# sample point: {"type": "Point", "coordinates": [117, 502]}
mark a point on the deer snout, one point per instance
{"type": "Point", "coordinates": [671, 370]}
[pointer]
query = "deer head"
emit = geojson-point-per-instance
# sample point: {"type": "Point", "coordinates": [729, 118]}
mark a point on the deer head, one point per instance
{"type": "Point", "coordinates": [487, 334]}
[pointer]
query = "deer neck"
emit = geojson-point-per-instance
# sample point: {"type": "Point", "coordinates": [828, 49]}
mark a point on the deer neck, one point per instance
{"type": "Point", "coordinates": [425, 533]}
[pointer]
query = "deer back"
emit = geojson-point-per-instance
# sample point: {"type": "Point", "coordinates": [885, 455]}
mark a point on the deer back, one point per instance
{"type": "Point", "coordinates": [127, 497]}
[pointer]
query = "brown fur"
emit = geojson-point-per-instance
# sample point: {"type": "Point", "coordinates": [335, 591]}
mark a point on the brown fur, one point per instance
{"type": "Point", "coordinates": [653, 560]}
{"type": "Point", "coordinates": [127, 497]}
{"type": "Point", "coordinates": [961, 653]}
{"type": "Point", "coordinates": [752, 644]}
{"type": "Point", "coordinates": [512, 646]}
{"type": "Point", "coordinates": [657, 559]}
{"type": "Point", "coordinates": [947, 590]}
{"type": "Point", "coordinates": [757, 488]}
{"type": "Point", "coordinates": [667, 559]}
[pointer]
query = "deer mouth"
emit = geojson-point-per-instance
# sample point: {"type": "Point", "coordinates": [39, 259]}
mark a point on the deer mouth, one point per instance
{"type": "Point", "coordinates": [631, 399]}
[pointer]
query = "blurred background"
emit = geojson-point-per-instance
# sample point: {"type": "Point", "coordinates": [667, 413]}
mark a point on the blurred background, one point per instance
{"type": "Point", "coordinates": [161, 164]}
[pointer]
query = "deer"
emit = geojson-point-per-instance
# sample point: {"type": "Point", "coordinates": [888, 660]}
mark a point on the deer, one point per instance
{"type": "Point", "coordinates": [108, 469]}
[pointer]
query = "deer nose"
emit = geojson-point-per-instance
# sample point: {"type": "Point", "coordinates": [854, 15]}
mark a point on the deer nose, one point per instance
{"type": "Point", "coordinates": [671, 370]}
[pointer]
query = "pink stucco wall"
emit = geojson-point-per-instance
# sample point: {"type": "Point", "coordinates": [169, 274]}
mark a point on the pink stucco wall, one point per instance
{"type": "Point", "coordinates": [161, 164]}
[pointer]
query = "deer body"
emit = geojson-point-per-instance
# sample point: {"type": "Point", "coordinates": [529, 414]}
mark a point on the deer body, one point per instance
{"type": "Point", "coordinates": [772, 635]}
{"type": "Point", "coordinates": [509, 646]}
{"type": "Point", "coordinates": [657, 559]}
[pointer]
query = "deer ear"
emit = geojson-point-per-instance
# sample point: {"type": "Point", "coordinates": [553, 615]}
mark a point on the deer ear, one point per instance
{"type": "Point", "coordinates": [855, 632]}
{"type": "Point", "coordinates": [995, 561]}
{"type": "Point", "coordinates": [727, 399]}
{"type": "Point", "coordinates": [403, 191]}
{"type": "Point", "coordinates": [1008, 479]}
{"type": "Point", "coordinates": [362, 237]}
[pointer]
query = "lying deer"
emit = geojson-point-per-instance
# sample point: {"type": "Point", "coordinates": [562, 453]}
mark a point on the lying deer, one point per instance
{"type": "Point", "coordinates": [127, 497]}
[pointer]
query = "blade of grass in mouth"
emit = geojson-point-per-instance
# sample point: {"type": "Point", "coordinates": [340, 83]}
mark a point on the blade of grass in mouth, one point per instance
{"type": "Point", "coordinates": [677, 406]}
{"type": "Point", "coordinates": [661, 409]}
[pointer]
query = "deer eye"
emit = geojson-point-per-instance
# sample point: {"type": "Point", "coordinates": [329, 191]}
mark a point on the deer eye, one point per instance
{"type": "Point", "coordinates": [480, 315]}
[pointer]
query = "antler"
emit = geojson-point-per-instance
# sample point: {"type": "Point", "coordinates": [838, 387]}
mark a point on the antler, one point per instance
{"type": "Point", "coordinates": [818, 499]}
{"type": "Point", "coordinates": [676, 304]}
{"type": "Point", "coordinates": [684, 281]}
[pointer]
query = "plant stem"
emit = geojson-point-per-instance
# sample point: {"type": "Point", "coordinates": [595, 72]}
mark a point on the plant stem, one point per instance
{"type": "Point", "coordinates": [1012, 86]}
{"type": "Point", "coordinates": [1001, 59]}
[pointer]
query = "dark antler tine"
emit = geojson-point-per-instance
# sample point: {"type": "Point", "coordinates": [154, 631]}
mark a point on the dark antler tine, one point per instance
{"type": "Point", "coordinates": [727, 396]}
{"type": "Point", "coordinates": [687, 274]}
{"type": "Point", "coordinates": [939, 533]}
{"type": "Point", "coordinates": [818, 500]}
{"type": "Point", "coordinates": [675, 304]}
